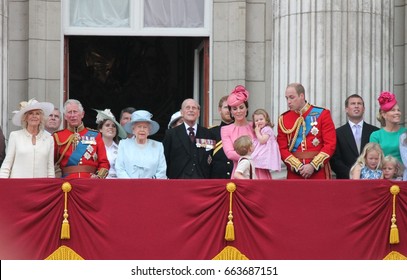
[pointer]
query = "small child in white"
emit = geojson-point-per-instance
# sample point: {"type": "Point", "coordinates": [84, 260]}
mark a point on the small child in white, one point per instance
{"type": "Point", "coordinates": [245, 168]}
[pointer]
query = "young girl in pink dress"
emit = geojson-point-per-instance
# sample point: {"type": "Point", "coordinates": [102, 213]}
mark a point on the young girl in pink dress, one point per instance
{"type": "Point", "coordinates": [239, 106]}
{"type": "Point", "coordinates": [266, 153]}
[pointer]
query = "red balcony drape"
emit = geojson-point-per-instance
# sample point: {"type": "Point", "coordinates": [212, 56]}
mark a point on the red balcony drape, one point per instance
{"type": "Point", "coordinates": [186, 219]}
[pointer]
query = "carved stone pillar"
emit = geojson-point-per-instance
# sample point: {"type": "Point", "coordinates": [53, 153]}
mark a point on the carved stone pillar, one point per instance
{"type": "Point", "coordinates": [334, 48]}
{"type": "Point", "coordinates": [3, 63]}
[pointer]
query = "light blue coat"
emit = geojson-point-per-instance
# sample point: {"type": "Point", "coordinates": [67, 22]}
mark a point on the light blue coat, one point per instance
{"type": "Point", "coordinates": [141, 161]}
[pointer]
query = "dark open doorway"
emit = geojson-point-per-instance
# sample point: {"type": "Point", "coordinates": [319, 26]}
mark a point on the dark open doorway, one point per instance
{"type": "Point", "coordinates": [150, 73]}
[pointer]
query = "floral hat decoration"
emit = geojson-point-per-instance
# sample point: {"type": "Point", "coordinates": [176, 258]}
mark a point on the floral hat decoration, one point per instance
{"type": "Point", "coordinates": [238, 96]}
{"type": "Point", "coordinates": [107, 115]}
{"type": "Point", "coordinates": [387, 100]}
{"type": "Point", "coordinates": [30, 105]}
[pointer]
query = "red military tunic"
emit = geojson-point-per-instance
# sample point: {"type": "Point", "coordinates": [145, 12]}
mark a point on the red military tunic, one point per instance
{"type": "Point", "coordinates": [315, 143]}
{"type": "Point", "coordinates": [90, 158]}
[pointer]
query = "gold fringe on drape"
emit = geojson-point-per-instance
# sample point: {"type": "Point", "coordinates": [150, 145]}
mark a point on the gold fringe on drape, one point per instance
{"type": "Point", "coordinates": [65, 231]}
{"type": "Point", "coordinates": [394, 255]}
{"type": "Point", "coordinates": [394, 231]}
{"type": "Point", "coordinates": [230, 229]}
{"type": "Point", "coordinates": [64, 253]}
{"type": "Point", "coordinates": [230, 253]}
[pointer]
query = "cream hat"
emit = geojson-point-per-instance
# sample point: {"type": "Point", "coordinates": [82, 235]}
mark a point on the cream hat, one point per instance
{"type": "Point", "coordinates": [30, 105]}
{"type": "Point", "coordinates": [107, 115]}
{"type": "Point", "coordinates": [174, 118]}
{"type": "Point", "coordinates": [142, 116]}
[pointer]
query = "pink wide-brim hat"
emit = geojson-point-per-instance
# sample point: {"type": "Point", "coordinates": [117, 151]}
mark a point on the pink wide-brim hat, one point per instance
{"type": "Point", "coordinates": [387, 100]}
{"type": "Point", "coordinates": [238, 96]}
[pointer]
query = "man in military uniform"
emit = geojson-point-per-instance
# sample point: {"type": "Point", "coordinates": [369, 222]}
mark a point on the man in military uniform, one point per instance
{"type": "Point", "coordinates": [79, 151]}
{"type": "Point", "coordinates": [306, 137]}
{"type": "Point", "coordinates": [221, 166]}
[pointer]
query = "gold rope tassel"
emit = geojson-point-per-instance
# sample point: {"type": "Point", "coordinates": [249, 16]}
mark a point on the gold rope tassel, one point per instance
{"type": "Point", "coordinates": [65, 231]}
{"type": "Point", "coordinates": [394, 231]}
{"type": "Point", "coordinates": [230, 229]}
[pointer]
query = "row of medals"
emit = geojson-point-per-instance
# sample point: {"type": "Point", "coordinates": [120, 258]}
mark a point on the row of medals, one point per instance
{"type": "Point", "coordinates": [86, 140]}
{"type": "Point", "coordinates": [314, 131]}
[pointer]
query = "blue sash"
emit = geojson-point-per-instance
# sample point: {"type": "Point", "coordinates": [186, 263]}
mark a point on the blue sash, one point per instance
{"type": "Point", "coordinates": [80, 149]}
{"type": "Point", "coordinates": [315, 113]}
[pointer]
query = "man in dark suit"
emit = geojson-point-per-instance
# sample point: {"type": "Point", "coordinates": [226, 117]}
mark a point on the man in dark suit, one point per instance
{"type": "Point", "coordinates": [351, 137]}
{"type": "Point", "coordinates": [221, 166]}
{"type": "Point", "coordinates": [188, 147]}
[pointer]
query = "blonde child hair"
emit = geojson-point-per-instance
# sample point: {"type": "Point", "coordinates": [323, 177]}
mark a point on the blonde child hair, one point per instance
{"type": "Point", "coordinates": [242, 145]}
{"type": "Point", "coordinates": [396, 163]}
{"type": "Point", "coordinates": [265, 115]}
{"type": "Point", "coordinates": [361, 160]}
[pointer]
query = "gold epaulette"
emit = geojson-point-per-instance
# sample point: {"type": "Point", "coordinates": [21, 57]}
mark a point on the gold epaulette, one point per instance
{"type": "Point", "coordinates": [58, 142]}
{"type": "Point", "coordinates": [318, 160]}
{"type": "Point", "coordinates": [102, 173]}
{"type": "Point", "coordinates": [294, 162]}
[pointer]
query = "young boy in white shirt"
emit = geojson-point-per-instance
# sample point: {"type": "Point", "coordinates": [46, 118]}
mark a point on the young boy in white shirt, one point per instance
{"type": "Point", "coordinates": [245, 168]}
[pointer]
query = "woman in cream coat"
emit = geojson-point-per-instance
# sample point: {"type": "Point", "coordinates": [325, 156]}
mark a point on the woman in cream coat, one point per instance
{"type": "Point", "coordinates": [30, 151]}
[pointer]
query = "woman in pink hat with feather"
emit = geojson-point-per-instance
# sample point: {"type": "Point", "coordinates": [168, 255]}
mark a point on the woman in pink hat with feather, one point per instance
{"type": "Point", "coordinates": [390, 118]}
{"type": "Point", "coordinates": [239, 109]}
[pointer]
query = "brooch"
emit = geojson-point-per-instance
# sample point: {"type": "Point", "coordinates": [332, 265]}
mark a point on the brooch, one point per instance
{"type": "Point", "coordinates": [87, 156]}
{"type": "Point", "coordinates": [315, 142]}
{"type": "Point", "coordinates": [314, 131]}
{"type": "Point", "coordinates": [90, 149]}
{"type": "Point", "coordinates": [209, 159]}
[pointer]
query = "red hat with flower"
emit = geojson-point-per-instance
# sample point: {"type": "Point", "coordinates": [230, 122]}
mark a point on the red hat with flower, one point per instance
{"type": "Point", "coordinates": [387, 100]}
{"type": "Point", "coordinates": [238, 96]}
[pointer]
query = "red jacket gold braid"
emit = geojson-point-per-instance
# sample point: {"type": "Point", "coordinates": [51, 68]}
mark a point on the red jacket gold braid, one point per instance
{"type": "Point", "coordinates": [96, 156]}
{"type": "Point", "coordinates": [317, 147]}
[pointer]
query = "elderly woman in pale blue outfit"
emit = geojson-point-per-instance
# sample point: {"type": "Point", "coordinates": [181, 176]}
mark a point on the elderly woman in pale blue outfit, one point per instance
{"type": "Point", "coordinates": [140, 157]}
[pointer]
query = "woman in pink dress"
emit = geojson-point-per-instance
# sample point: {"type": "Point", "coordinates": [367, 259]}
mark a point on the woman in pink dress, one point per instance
{"type": "Point", "coordinates": [239, 109]}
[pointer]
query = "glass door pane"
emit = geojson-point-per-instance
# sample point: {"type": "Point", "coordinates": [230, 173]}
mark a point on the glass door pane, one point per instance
{"type": "Point", "coordinates": [99, 13]}
{"type": "Point", "coordinates": [174, 13]}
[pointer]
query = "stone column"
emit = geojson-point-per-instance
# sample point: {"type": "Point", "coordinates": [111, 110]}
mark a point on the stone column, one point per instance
{"type": "Point", "coordinates": [400, 55]}
{"type": "Point", "coordinates": [334, 48]}
{"type": "Point", "coordinates": [3, 63]}
{"type": "Point", "coordinates": [229, 48]}
{"type": "Point", "coordinates": [44, 52]}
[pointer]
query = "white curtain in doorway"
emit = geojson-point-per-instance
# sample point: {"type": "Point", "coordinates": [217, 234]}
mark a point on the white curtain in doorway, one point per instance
{"type": "Point", "coordinates": [99, 13]}
{"type": "Point", "coordinates": [174, 13]}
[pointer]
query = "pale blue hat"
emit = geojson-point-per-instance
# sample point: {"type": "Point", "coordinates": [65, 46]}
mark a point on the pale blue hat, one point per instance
{"type": "Point", "coordinates": [142, 116]}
